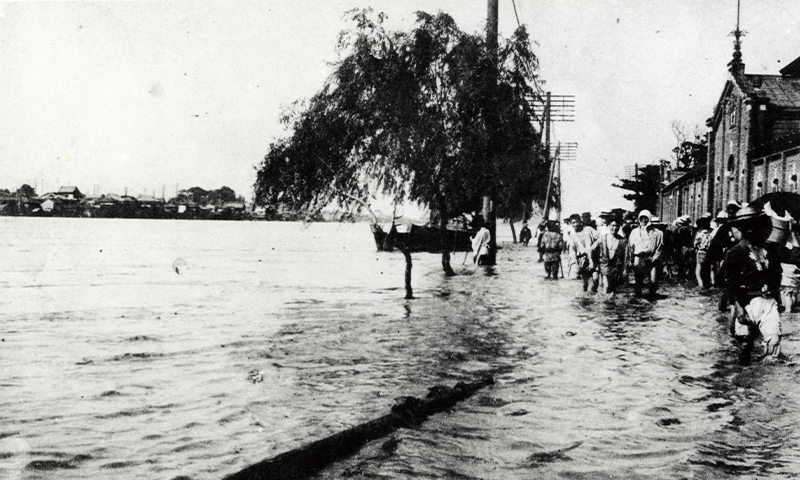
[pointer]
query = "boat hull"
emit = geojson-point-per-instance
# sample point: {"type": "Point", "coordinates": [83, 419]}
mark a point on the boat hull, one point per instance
{"type": "Point", "coordinates": [423, 239]}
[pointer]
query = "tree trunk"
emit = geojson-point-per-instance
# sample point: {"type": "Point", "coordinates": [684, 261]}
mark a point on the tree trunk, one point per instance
{"type": "Point", "coordinates": [513, 231]}
{"type": "Point", "coordinates": [409, 292]}
{"type": "Point", "coordinates": [444, 244]}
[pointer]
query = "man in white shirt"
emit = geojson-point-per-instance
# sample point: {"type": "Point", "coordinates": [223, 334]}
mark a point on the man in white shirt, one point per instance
{"type": "Point", "coordinates": [480, 245]}
{"type": "Point", "coordinates": [646, 245]}
{"type": "Point", "coordinates": [585, 253]}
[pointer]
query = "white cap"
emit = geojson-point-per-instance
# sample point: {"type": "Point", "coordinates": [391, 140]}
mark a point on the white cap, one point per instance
{"type": "Point", "coordinates": [645, 213]}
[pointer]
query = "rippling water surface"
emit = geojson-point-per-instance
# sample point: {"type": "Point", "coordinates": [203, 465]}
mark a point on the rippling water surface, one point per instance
{"type": "Point", "coordinates": [114, 365]}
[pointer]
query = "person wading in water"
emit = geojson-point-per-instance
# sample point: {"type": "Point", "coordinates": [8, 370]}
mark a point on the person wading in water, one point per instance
{"type": "Point", "coordinates": [552, 244]}
{"type": "Point", "coordinates": [585, 254]}
{"type": "Point", "coordinates": [646, 247]}
{"type": "Point", "coordinates": [525, 234]}
{"type": "Point", "coordinates": [753, 286]}
{"type": "Point", "coordinates": [480, 245]}
{"type": "Point", "coordinates": [613, 250]}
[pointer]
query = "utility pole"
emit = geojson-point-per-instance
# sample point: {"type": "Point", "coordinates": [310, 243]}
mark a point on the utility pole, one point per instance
{"type": "Point", "coordinates": [488, 204]}
{"type": "Point", "coordinates": [546, 212]}
{"type": "Point", "coordinates": [554, 108]}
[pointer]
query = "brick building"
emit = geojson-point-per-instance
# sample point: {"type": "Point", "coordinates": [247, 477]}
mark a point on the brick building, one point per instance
{"type": "Point", "coordinates": [753, 144]}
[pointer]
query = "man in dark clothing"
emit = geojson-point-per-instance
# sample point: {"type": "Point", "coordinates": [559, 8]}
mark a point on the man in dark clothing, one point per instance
{"type": "Point", "coordinates": [752, 281]}
{"type": "Point", "coordinates": [552, 243]}
{"type": "Point", "coordinates": [588, 221]}
{"type": "Point", "coordinates": [539, 232]}
{"type": "Point", "coordinates": [525, 234]}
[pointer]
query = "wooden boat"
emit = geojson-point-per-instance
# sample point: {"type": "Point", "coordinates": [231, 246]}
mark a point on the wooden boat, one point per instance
{"type": "Point", "coordinates": [422, 238]}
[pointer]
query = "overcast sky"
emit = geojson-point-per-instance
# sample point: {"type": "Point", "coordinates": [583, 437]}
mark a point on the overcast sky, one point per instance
{"type": "Point", "coordinates": [159, 95]}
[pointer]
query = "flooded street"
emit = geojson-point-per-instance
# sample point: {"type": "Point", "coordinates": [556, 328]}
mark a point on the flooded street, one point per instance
{"type": "Point", "coordinates": [112, 365]}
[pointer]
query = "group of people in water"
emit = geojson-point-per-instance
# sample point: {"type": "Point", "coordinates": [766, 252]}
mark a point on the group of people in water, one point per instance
{"type": "Point", "coordinates": [750, 253]}
{"type": "Point", "coordinates": [603, 255]}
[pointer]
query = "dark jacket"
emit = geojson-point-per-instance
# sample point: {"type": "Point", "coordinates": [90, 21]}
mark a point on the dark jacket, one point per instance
{"type": "Point", "coordinates": [744, 280]}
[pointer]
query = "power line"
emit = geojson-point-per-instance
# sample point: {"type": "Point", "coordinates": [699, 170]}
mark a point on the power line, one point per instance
{"type": "Point", "coordinates": [514, 3]}
{"type": "Point", "coordinates": [530, 47]}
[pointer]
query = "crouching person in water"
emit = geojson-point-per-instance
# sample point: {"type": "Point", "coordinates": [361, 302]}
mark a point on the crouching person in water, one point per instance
{"type": "Point", "coordinates": [753, 286]}
{"type": "Point", "coordinates": [552, 243]}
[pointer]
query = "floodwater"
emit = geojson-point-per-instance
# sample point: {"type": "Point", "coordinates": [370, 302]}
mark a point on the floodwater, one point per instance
{"type": "Point", "coordinates": [139, 349]}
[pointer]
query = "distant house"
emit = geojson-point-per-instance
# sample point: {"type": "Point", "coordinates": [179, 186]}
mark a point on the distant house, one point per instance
{"type": "Point", "coordinates": [150, 207]}
{"type": "Point", "coordinates": [233, 211]}
{"type": "Point", "coordinates": [70, 193]}
{"type": "Point", "coordinates": [47, 196]}
{"type": "Point", "coordinates": [753, 144]}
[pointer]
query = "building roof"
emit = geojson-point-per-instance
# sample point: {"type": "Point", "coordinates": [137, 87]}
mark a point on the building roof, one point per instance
{"type": "Point", "coordinates": [691, 175]}
{"type": "Point", "coordinates": [783, 91]}
{"type": "Point", "coordinates": [68, 190]}
{"type": "Point", "coordinates": [793, 69]}
{"type": "Point", "coordinates": [149, 199]}
{"type": "Point", "coordinates": [777, 145]}
{"type": "Point", "coordinates": [239, 205]}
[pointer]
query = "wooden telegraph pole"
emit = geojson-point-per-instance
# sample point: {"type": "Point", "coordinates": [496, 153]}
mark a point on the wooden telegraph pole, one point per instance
{"type": "Point", "coordinates": [545, 214]}
{"type": "Point", "coordinates": [488, 204]}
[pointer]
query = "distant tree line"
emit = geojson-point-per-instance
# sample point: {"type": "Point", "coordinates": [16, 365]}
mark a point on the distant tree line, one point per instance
{"type": "Point", "coordinates": [193, 203]}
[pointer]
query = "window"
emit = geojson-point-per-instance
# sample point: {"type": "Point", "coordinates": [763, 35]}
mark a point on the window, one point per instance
{"type": "Point", "coordinates": [732, 117]}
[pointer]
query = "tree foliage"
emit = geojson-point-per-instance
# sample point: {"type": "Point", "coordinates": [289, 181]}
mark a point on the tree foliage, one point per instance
{"type": "Point", "coordinates": [692, 149]}
{"type": "Point", "coordinates": [26, 191]}
{"type": "Point", "coordinates": [644, 187]}
{"type": "Point", "coordinates": [409, 115]}
{"type": "Point", "coordinates": [199, 196]}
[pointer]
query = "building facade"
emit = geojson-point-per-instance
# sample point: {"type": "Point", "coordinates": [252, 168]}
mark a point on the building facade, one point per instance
{"type": "Point", "coordinates": [753, 144]}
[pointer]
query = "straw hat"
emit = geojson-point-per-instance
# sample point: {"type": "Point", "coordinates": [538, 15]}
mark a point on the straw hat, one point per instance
{"type": "Point", "coordinates": [746, 216]}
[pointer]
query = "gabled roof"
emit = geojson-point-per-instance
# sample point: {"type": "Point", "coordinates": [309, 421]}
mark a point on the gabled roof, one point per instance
{"type": "Point", "coordinates": [793, 69]}
{"type": "Point", "coordinates": [68, 190]}
{"type": "Point", "coordinates": [148, 199]}
{"type": "Point", "coordinates": [781, 90]}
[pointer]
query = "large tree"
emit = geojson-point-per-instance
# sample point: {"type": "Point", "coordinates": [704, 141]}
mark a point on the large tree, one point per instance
{"type": "Point", "coordinates": [407, 115]}
{"type": "Point", "coordinates": [644, 187]}
{"type": "Point", "coordinates": [692, 149]}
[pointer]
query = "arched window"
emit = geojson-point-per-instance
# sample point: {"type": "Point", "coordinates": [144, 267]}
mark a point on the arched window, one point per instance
{"type": "Point", "coordinates": [731, 166]}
